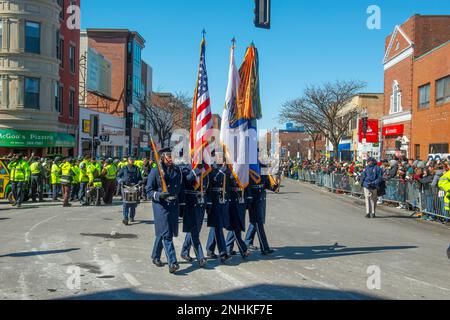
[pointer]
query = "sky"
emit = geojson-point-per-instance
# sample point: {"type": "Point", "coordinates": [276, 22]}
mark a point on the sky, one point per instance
{"type": "Point", "coordinates": [310, 42]}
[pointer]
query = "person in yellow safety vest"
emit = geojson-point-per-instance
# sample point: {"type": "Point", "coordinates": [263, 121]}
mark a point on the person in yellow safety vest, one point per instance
{"type": "Point", "coordinates": [95, 176]}
{"type": "Point", "coordinates": [19, 173]}
{"type": "Point", "coordinates": [56, 178]}
{"type": "Point", "coordinates": [66, 181]}
{"type": "Point", "coordinates": [76, 179]}
{"type": "Point", "coordinates": [84, 181]}
{"type": "Point", "coordinates": [37, 172]}
{"type": "Point", "coordinates": [139, 164]}
{"type": "Point", "coordinates": [122, 164]}
{"type": "Point", "coordinates": [444, 184]}
{"type": "Point", "coordinates": [109, 183]}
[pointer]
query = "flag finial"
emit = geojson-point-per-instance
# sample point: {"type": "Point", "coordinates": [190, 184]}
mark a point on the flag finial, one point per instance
{"type": "Point", "coordinates": [233, 41]}
{"type": "Point", "coordinates": [203, 33]}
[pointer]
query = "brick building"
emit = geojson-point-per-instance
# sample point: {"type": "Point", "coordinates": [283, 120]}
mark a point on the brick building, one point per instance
{"type": "Point", "coordinates": [67, 89]}
{"type": "Point", "coordinates": [407, 46]}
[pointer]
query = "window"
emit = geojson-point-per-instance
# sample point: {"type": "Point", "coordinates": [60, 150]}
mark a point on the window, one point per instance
{"type": "Point", "coordinates": [61, 4]}
{"type": "Point", "coordinates": [1, 89]}
{"type": "Point", "coordinates": [32, 93]}
{"type": "Point", "coordinates": [58, 46]}
{"type": "Point", "coordinates": [438, 148]}
{"type": "Point", "coordinates": [396, 98]}
{"type": "Point", "coordinates": [59, 94]}
{"type": "Point", "coordinates": [354, 123]}
{"type": "Point", "coordinates": [32, 37]}
{"type": "Point", "coordinates": [1, 34]}
{"type": "Point", "coordinates": [417, 151]}
{"type": "Point", "coordinates": [71, 103]}
{"type": "Point", "coordinates": [443, 90]}
{"type": "Point", "coordinates": [424, 96]}
{"type": "Point", "coordinates": [61, 46]}
{"type": "Point", "coordinates": [72, 58]}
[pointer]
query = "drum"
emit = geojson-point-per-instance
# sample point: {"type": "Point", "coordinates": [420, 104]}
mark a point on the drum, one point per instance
{"type": "Point", "coordinates": [130, 195]}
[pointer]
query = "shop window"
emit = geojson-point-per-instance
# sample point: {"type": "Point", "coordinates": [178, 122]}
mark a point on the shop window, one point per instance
{"type": "Point", "coordinates": [443, 90]}
{"type": "Point", "coordinates": [32, 37]}
{"type": "Point", "coordinates": [438, 148]}
{"type": "Point", "coordinates": [424, 96]}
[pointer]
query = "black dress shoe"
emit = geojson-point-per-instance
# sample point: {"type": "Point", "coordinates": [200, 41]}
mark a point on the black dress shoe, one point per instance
{"type": "Point", "coordinates": [202, 262]}
{"type": "Point", "coordinates": [158, 263]}
{"type": "Point", "coordinates": [368, 216]}
{"type": "Point", "coordinates": [246, 254]}
{"type": "Point", "coordinates": [187, 258]}
{"type": "Point", "coordinates": [267, 252]}
{"type": "Point", "coordinates": [132, 220]}
{"type": "Point", "coordinates": [253, 248]}
{"type": "Point", "coordinates": [172, 269]}
{"type": "Point", "coordinates": [125, 222]}
{"type": "Point", "coordinates": [225, 258]}
{"type": "Point", "coordinates": [232, 253]}
{"type": "Point", "coordinates": [211, 255]}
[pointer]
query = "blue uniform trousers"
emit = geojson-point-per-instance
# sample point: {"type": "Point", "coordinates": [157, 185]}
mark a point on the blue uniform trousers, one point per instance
{"type": "Point", "coordinates": [257, 228]}
{"type": "Point", "coordinates": [233, 236]}
{"type": "Point", "coordinates": [166, 243]}
{"type": "Point", "coordinates": [129, 209]}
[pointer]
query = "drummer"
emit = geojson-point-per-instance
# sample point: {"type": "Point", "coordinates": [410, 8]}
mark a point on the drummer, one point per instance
{"type": "Point", "coordinates": [129, 175]}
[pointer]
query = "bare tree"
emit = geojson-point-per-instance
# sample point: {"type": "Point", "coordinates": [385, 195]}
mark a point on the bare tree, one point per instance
{"type": "Point", "coordinates": [323, 109]}
{"type": "Point", "coordinates": [165, 112]}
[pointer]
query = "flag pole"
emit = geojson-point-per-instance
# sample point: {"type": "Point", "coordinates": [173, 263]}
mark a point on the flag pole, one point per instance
{"type": "Point", "coordinates": [158, 164]}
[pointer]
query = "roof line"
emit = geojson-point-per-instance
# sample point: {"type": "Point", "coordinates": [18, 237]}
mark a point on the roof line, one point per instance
{"type": "Point", "coordinates": [432, 50]}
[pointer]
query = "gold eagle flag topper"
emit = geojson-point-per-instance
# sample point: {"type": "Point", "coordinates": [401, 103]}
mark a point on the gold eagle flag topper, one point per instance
{"type": "Point", "coordinates": [158, 164]}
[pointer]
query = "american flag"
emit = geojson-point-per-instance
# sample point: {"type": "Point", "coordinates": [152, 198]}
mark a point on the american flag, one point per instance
{"type": "Point", "coordinates": [201, 115]}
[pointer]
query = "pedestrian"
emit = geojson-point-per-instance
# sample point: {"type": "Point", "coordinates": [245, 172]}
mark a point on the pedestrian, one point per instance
{"type": "Point", "coordinates": [66, 181]}
{"type": "Point", "coordinates": [37, 179]}
{"type": "Point", "coordinates": [56, 178]}
{"type": "Point", "coordinates": [371, 180]}
{"type": "Point", "coordinates": [19, 172]}
{"type": "Point", "coordinates": [193, 212]}
{"type": "Point", "coordinates": [165, 188]}
{"type": "Point", "coordinates": [75, 189]}
{"type": "Point", "coordinates": [109, 174]}
{"type": "Point", "coordinates": [129, 175]}
{"type": "Point", "coordinates": [84, 181]}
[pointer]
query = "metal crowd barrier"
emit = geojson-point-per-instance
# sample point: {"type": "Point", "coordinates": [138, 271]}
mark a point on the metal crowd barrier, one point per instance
{"type": "Point", "coordinates": [410, 194]}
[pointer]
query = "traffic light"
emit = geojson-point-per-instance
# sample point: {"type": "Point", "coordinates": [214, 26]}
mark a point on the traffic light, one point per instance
{"type": "Point", "coordinates": [94, 125]}
{"type": "Point", "coordinates": [262, 14]}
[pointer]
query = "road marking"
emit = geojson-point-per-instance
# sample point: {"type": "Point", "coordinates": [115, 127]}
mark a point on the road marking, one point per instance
{"type": "Point", "coordinates": [132, 280]}
{"type": "Point", "coordinates": [115, 258]}
{"type": "Point", "coordinates": [35, 226]}
{"type": "Point", "coordinates": [426, 283]}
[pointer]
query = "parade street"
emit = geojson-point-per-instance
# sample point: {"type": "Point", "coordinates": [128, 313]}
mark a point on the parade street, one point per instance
{"type": "Point", "coordinates": [324, 248]}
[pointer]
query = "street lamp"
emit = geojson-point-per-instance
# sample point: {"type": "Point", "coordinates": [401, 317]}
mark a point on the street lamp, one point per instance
{"type": "Point", "coordinates": [298, 148]}
{"type": "Point", "coordinates": [289, 149]}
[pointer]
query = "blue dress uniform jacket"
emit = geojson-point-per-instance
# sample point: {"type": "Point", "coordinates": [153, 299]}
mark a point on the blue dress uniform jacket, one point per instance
{"type": "Point", "coordinates": [237, 209]}
{"type": "Point", "coordinates": [166, 213]}
{"type": "Point", "coordinates": [218, 214]}
{"type": "Point", "coordinates": [257, 199]}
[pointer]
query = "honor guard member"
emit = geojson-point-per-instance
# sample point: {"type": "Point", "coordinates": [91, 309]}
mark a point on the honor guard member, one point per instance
{"type": "Point", "coordinates": [66, 181]}
{"type": "Point", "coordinates": [237, 210]}
{"type": "Point", "coordinates": [76, 179]}
{"type": "Point", "coordinates": [257, 211]}
{"type": "Point", "coordinates": [56, 178]}
{"type": "Point", "coordinates": [194, 212]}
{"type": "Point", "coordinates": [129, 176]}
{"type": "Point", "coordinates": [218, 213]}
{"type": "Point", "coordinates": [84, 181]}
{"type": "Point", "coordinates": [166, 207]}
{"type": "Point", "coordinates": [37, 179]}
{"type": "Point", "coordinates": [19, 172]}
{"type": "Point", "coordinates": [110, 174]}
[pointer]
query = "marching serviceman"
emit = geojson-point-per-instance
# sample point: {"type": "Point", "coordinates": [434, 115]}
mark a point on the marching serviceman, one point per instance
{"type": "Point", "coordinates": [109, 184]}
{"type": "Point", "coordinates": [66, 181]}
{"type": "Point", "coordinates": [218, 213]}
{"type": "Point", "coordinates": [129, 176]}
{"type": "Point", "coordinates": [257, 211]}
{"type": "Point", "coordinates": [37, 179]}
{"type": "Point", "coordinates": [237, 210]}
{"type": "Point", "coordinates": [56, 178]}
{"type": "Point", "coordinates": [194, 212]}
{"type": "Point", "coordinates": [165, 188]}
{"type": "Point", "coordinates": [19, 173]}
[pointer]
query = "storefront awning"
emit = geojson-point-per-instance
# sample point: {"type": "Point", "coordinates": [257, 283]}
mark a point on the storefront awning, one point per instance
{"type": "Point", "coordinates": [35, 139]}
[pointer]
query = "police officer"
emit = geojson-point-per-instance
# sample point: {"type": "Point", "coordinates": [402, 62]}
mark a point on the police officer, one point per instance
{"type": "Point", "coordinates": [218, 213]}
{"type": "Point", "coordinates": [166, 208]}
{"type": "Point", "coordinates": [109, 183]}
{"type": "Point", "coordinates": [37, 179]}
{"type": "Point", "coordinates": [56, 178]}
{"type": "Point", "coordinates": [257, 211]}
{"type": "Point", "coordinates": [194, 212]}
{"type": "Point", "coordinates": [237, 210]}
{"type": "Point", "coordinates": [19, 172]}
{"type": "Point", "coordinates": [66, 180]}
{"type": "Point", "coordinates": [75, 190]}
{"type": "Point", "coordinates": [129, 176]}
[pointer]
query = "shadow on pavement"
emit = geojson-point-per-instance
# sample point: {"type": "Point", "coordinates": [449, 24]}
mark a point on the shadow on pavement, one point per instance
{"type": "Point", "coordinates": [37, 253]}
{"type": "Point", "coordinates": [1, 219]}
{"type": "Point", "coordinates": [323, 252]}
{"type": "Point", "coordinates": [256, 292]}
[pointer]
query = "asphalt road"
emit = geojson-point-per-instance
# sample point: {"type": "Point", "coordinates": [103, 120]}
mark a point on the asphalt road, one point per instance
{"type": "Point", "coordinates": [324, 249]}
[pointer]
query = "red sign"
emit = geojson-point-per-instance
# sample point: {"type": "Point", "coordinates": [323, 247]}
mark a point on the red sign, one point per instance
{"type": "Point", "coordinates": [395, 130]}
{"type": "Point", "coordinates": [371, 131]}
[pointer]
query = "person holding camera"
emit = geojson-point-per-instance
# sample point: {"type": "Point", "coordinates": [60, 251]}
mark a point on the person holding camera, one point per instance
{"type": "Point", "coordinates": [371, 180]}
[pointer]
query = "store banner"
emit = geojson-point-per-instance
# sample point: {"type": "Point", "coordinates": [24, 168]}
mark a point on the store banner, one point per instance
{"type": "Point", "coordinates": [394, 130]}
{"type": "Point", "coordinates": [35, 139]}
{"type": "Point", "coordinates": [371, 131]}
